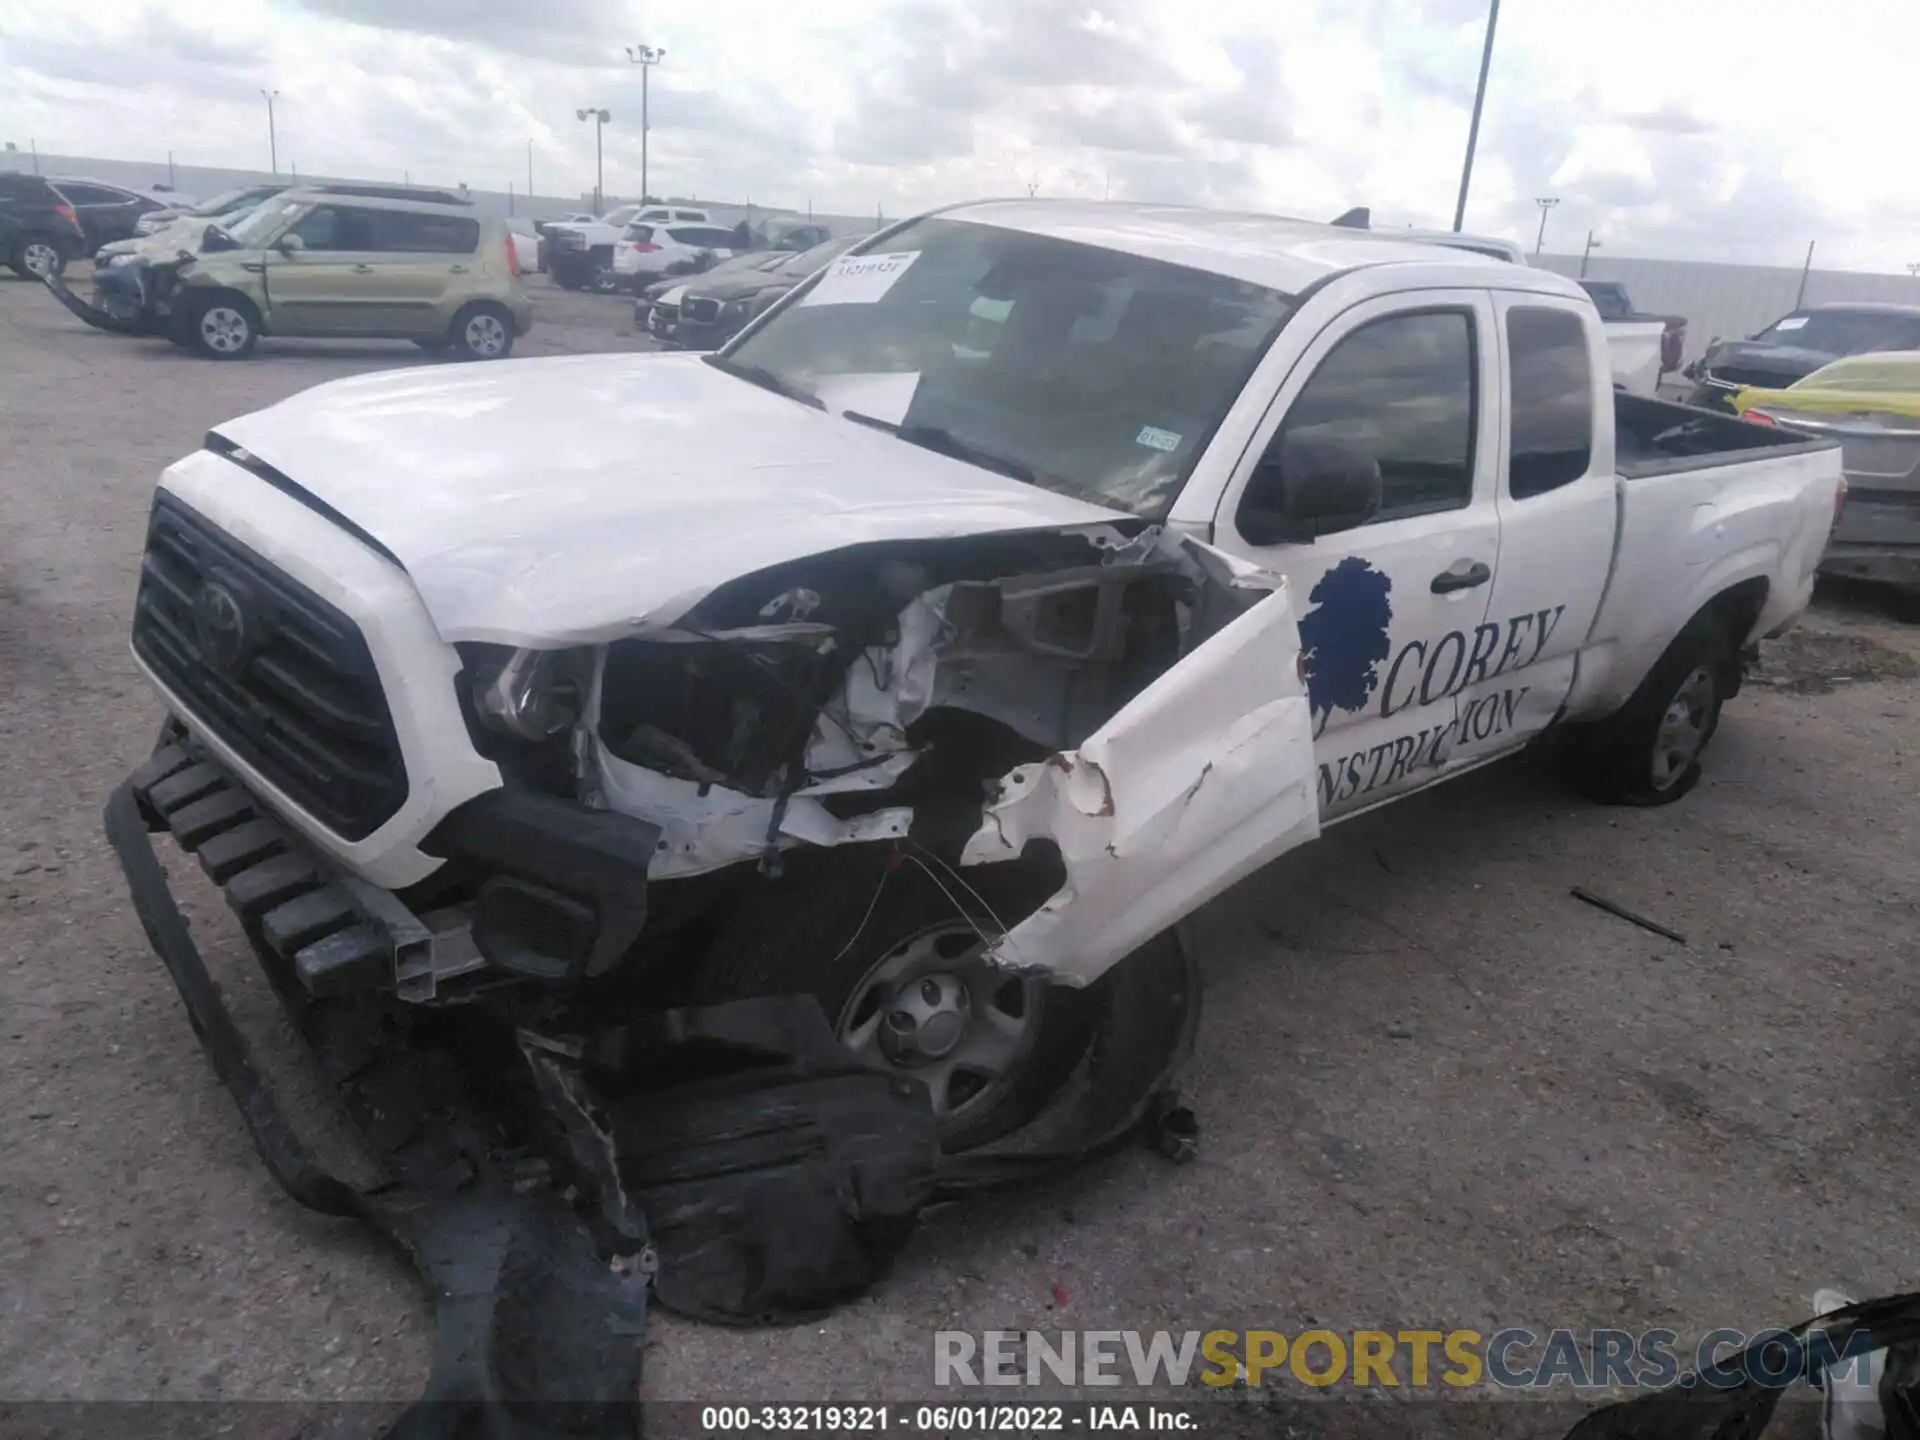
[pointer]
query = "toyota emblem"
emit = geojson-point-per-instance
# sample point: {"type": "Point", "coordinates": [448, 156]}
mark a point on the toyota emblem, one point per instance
{"type": "Point", "coordinates": [220, 626]}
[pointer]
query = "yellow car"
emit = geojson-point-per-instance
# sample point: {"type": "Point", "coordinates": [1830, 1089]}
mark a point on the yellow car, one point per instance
{"type": "Point", "coordinates": [308, 263]}
{"type": "Point", "coordinates": [1871, 405]}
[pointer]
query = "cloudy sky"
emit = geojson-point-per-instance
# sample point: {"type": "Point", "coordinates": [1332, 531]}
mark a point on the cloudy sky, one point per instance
{"type": "Point", "coordinates": [1730, 131]}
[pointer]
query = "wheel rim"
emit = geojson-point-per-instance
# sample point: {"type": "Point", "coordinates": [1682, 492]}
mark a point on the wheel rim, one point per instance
{"type": "Point", "coordinates": [486, 336]}
{"type": "Point", "coordinates": [604, 277]}
{"type": "Point", "coordinates": [224, 329]}
{"type": "Point", "coordinates": [1683, 729]}
{"type": "Point", "coordinates": [933, 1008]}
{"type": "Point", "coordinates": [41, 258]}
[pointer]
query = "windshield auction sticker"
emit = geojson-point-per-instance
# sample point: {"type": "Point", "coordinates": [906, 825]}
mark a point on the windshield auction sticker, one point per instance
{"type": "Point", "coordinates": [859, 279]}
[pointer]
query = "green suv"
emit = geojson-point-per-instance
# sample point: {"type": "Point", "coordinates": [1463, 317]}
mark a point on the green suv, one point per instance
{"type": "Point", "coordinates": [308, 263]}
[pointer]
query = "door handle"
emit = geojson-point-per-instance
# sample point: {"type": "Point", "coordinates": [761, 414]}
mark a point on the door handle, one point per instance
{"type": "Point", "coordinates": [363, 269]}
{"type": "Point", "coordinates": [253, 267]}
{"type": "Point", "coordinates": [457, 269]}
{"type": "Point", "coordinates": [1463, 576]}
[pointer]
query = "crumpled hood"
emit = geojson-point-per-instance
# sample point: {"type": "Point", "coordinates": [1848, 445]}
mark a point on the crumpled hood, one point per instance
{"type": "Point", "coordinates": [571, 500]}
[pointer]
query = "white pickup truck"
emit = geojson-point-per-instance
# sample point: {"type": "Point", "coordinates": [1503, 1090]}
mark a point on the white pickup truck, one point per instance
{"type": "Point", "coordinates": [1016, 585]}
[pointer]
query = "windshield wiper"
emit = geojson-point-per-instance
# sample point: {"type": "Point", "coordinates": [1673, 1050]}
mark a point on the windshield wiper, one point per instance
{"type": "Point", "coordinates": [766, 379]}
{"type": "Point", "coordinates": [945, 442]}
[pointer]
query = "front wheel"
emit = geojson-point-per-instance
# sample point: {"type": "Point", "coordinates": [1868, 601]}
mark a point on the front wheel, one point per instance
{"type": "Point", "coordinates": [894, 948]}
{"type": "Point", "coordinates": [224, 327]}
{"type": "Point", "coordinates": [602, 278]}
{"type": "Point", "coordinates": [1648, 753]}
{"type": "Point", "coordinates": [482, 331]}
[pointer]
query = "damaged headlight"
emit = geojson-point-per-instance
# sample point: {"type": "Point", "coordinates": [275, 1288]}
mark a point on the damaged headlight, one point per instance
{"type": "Point", "coordinates": [526, 694]}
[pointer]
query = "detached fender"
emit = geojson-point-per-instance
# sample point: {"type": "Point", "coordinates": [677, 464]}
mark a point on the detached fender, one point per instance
{"type": "Point", "coordinates": [92, 314]}
{"type": "Point", "coordinates": [1203, 778]}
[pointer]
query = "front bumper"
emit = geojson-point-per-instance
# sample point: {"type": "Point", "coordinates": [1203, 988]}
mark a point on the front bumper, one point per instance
{"type": "Point", "coordinates": [468, 1230]}
{"type": "Point", "coordinates": [129, 299]}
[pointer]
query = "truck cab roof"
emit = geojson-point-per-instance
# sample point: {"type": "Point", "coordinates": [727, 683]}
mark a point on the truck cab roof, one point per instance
{"type": "Point", "coordinates": [1290, 256]}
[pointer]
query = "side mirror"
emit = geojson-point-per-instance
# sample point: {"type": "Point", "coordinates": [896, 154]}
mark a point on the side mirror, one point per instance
{"type": "Point", "coordinates": [1311, 488]}
{"type": "Point", "coordinates": [290, 245]}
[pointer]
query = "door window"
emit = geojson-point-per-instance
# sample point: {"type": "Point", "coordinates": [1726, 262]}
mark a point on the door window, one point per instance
{"type": "Point", "coordinates": [1401, 390]}
{"type": "Point", "coordinates": [326, 227]}
{"type": "Point", "coordinates": [1552, 410]}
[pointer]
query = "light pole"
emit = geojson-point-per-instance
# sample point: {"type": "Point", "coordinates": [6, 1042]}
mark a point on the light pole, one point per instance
{"type": "Point", "coordinates": [273, 143]}
{"type": "Point", "coordinates": [1593, 244]}
{"type": "Point", "coordinates": [1473, 129]}
{"type": "Point", "coordinates": [646, 57]}
{"type": "Point", "coordinates": [1545, 203]}
{"type": "Point", "coordinates": [600, 119]}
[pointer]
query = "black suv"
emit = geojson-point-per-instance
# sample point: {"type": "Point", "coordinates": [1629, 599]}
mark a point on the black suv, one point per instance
{"type": "Point", "coordinates": [39, 231]}
{"type": "Point", "coordinates": [106, 212]}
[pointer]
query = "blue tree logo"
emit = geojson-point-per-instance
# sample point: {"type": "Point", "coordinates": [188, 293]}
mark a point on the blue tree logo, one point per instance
{"type": "Point", "coordinates": [1343, 639]}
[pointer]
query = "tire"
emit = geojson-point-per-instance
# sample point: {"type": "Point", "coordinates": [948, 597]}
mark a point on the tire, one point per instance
{"type": "Point", "coordinates": [481, 331]}
{"type": "Point", "coordinates": [602, 278]}
{"type": "Point", "coordinates": [223, 326]}
{"type": "Point", "coordinates": [863, 933]}
{"type": "Point", "coordinates": [36, 255]}
{"type": "Point", "coordinates": [1648, 753]}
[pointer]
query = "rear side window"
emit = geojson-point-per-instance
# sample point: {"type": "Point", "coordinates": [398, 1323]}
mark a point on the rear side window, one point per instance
{"type": "Point", "coordinates": [396, 230]}
{"type": "Point", "coordinates": [93, 194]}
{"type": "Point", "coordinates": [702, 236]}
{"type": "Point", "coordinates": [1401, 390]}
{"type": "Point", "coordinates": [25, 187]}
{"type": "Point", "coordinates": [640, 234]}
{"type": "Point", "coordinates": [1552, 412]}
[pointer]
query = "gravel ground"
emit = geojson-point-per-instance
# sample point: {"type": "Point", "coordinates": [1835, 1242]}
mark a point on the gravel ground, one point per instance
{"type": "Point", "coordinates": [1434, 1088]}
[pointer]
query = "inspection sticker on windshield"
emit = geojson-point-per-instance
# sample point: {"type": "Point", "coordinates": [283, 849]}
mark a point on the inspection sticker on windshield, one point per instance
{"type": "Point", "coordinates": [1154, 438]}
{"type": "Point", "coordinates": [1792, 322]}
{"type": "Point", "coordinates": [859, 279]}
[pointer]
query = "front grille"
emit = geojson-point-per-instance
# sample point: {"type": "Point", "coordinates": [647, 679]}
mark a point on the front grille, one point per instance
{"type": "Point", "coordinates": [296, 695]}
{"type": "Point", "coordinates": [703, 312]}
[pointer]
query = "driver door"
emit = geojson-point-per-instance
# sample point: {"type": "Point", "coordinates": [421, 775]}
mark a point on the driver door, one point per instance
{"type": "Point", "coordinates": [312, 289]}
{"type": "Point", "coordinates": [1392, 611]}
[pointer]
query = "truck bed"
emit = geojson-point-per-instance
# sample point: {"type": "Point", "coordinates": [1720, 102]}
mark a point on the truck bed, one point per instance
{"type": "Point", "coordinates": [1705, 504]}
{"type": "Point", "coordinates": [1660, 437]}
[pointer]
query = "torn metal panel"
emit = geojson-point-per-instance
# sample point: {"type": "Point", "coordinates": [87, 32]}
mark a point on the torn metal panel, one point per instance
{"type": "Point", "coordinates": [706, 827]}
{"type": "Point", "coordinates": [1203, 778]}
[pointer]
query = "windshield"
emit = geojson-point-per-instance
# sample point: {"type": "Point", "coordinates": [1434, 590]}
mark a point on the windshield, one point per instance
{"type": "Point", "coordinates": [261, 223]}
{"type": "Point", "coordinates": [226, 200]}
{"type": "Point", "coordinates": [1845, 332]}
{"type": "Point", "coordinates": [1090, 371]}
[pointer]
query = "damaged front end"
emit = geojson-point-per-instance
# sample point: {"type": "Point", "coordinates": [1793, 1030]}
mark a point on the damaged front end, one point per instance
{"type": "Point", "coordinates": [135, 297]}
{"type": "Point", "coordinates": [846, 887]}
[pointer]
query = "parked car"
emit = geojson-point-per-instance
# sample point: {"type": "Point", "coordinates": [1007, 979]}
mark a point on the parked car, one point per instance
{"type": "Point", "coordinates": [312, 264]}
{"type": "Point", "coordinates": [1871, 405]}
{"type": "Point", "coordinates": [716, 308]}
{"type": "Point", "coordinates": [646, 252]}
{"type": "Point", "coordinates": [933, 689]}
{"type": "Point", "coordinates": [1616, 308]}
{"type": "Point", "coordinates": [39, 230]}
{"type": "Point", "coordinates": [107, 212]}
{"type": "Point", "coordinates": [664, 294]}
{"type": "Point", "coordinates": [580, 252]}
{"type": "Point", "coordinates": [578, 217]}
{"type": "Point", "coordinates": [1797, 344]}
{"type": "Point", "coordinates": [525, 243]}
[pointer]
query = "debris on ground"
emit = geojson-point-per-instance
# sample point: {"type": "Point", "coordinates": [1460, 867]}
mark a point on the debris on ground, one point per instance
{"type": "Point", "coordinates": [1600, 902]}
